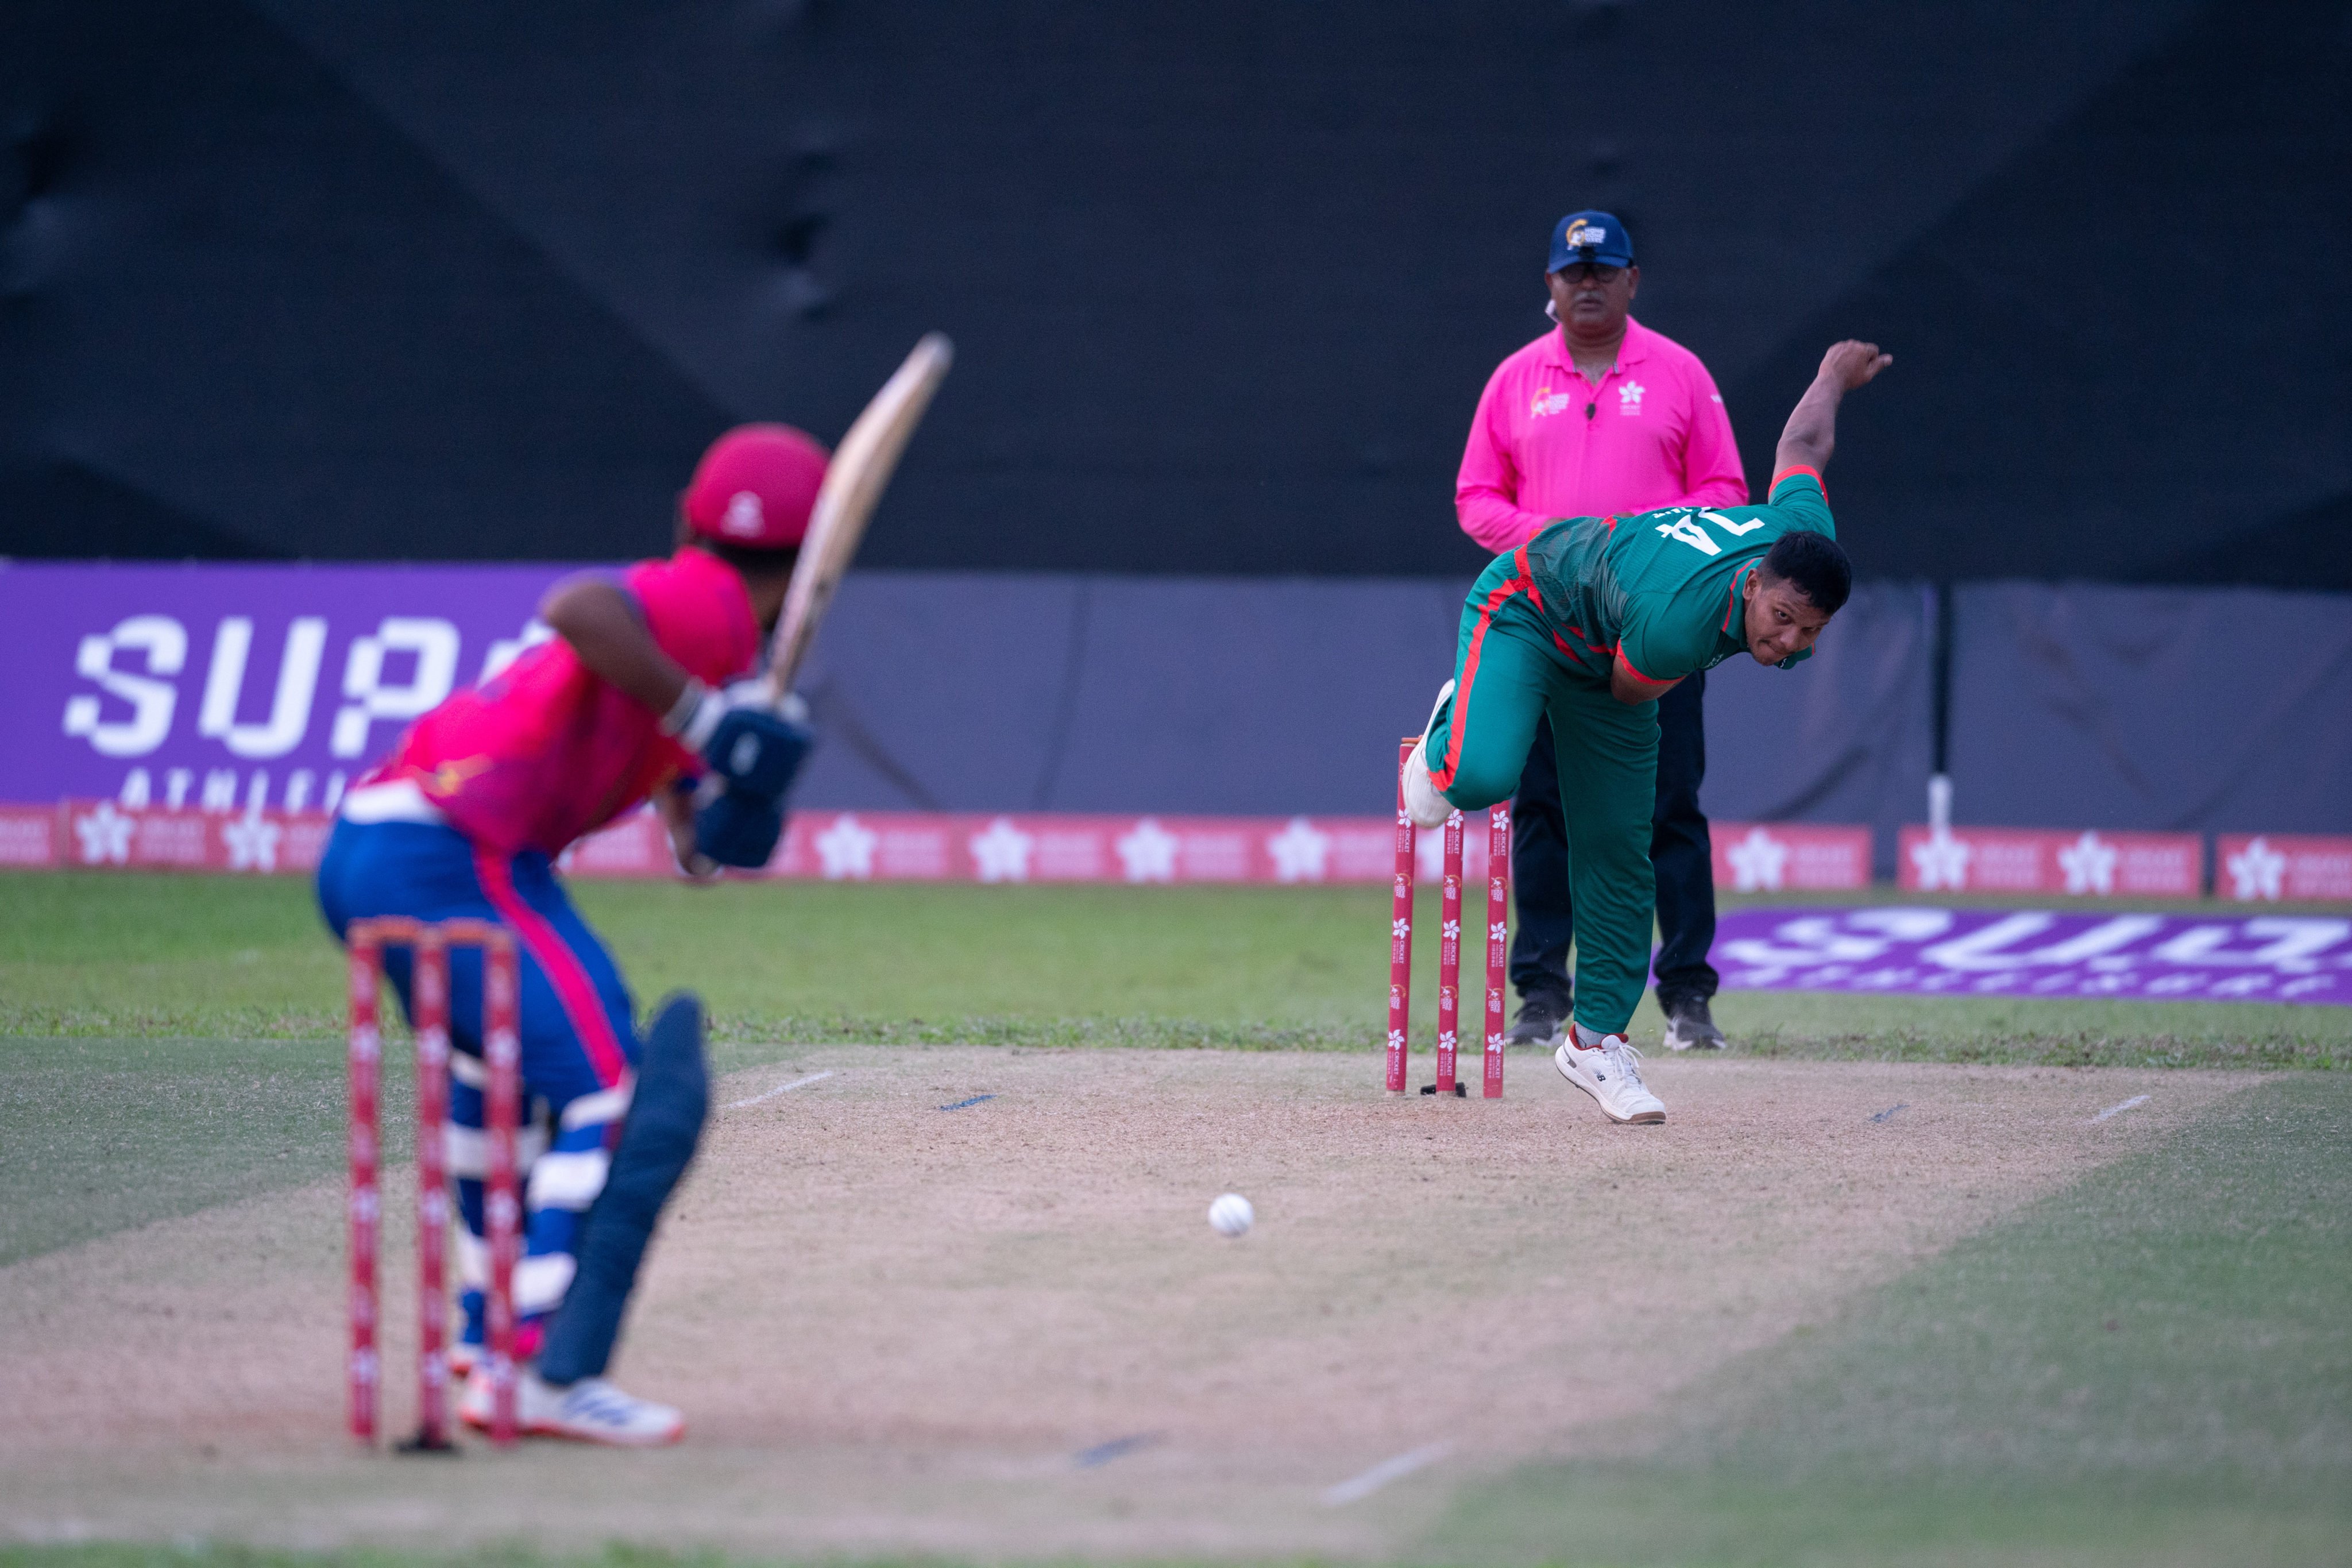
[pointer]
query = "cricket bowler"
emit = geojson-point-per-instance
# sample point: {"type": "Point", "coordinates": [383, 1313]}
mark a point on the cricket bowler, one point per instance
{"type": "Point", "coordinates": [630, 701]}
{"type": "Point", "coordinates": [1589, 623]}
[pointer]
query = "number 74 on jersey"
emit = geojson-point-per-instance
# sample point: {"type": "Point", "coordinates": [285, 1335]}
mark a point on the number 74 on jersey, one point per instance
{"type": "Point", "coordinates": [1699, 538]}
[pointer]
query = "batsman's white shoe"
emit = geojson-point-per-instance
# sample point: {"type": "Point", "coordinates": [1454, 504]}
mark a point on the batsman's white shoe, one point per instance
{"type": "Point", "coordinates": [1422, 804]}
{"type": "Point", "coordinates": [474, 1399]}
{"type": "Point", "coordinates": [590, 1411]}
{"type": "Point", "coordinates": [1610, 1071]}
{"type": "Point", "coordinates": [463, 1358]}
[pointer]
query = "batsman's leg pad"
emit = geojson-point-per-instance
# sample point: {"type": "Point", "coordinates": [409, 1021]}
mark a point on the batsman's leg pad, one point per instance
{"type": "Point", "coordinates": [658, 1143]}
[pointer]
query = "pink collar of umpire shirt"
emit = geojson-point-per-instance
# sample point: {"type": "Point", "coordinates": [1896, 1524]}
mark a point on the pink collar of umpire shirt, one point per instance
{"type": "Point", "coordinates": [1635, 347]}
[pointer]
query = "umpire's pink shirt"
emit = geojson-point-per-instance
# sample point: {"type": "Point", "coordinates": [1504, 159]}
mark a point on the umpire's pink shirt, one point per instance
{"type": "Point", "coordinates": [1548, 444]}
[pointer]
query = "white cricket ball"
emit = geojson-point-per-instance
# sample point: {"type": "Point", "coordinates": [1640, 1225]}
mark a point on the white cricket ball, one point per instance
{"type": "Point", "coordinates": [1232, 1214]}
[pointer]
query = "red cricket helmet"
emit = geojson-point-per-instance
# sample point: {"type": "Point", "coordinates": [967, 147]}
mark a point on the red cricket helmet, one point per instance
{"type": "Point", "coordinates": [755, 487]}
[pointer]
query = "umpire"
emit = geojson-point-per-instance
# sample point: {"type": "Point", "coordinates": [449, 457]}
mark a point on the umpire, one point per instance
{"type": "Point", "coordinates": [1603, 417]}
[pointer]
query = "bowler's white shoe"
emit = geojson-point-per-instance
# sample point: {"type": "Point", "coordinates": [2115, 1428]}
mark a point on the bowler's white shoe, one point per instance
{"type": "Point", "coordinates": [1422, 804]}
{"type": "Point", "coordinates": [1609, 1070]}
{"type": "Point", "coordinates": [590, 1411]}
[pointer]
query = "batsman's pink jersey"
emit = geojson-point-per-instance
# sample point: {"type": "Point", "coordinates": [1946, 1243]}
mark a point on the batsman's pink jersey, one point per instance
{"type": "Point", "coordinates": [1546, 444]}
{"type": "Point", "coordinates": [544, 752]}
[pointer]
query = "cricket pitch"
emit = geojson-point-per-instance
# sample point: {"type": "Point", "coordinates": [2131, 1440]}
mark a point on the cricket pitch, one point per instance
{"type": "Point", "coordinates": [1008, 1328]}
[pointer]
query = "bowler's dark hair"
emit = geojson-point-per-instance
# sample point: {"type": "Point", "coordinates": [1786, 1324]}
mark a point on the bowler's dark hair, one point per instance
{"type": "Point", "coordinates": [1815, 565]}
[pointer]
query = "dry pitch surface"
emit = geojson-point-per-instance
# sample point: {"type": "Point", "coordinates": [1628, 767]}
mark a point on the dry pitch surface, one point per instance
{"type": "Point", "coordinates": [1008, 1328]}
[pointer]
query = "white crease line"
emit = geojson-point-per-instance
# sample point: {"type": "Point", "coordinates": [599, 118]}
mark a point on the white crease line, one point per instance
{"type": "Point", "coordinates": [2126, 1105]}
{"type": "Point", "coordinates": [1381, 1474]}
{"type": "Point", "coordinates": [780, 1089]}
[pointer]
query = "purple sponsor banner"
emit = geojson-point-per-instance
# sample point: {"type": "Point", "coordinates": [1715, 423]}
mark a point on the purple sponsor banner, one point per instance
{"type": "Point", "coordinates": [2038, 953]}
{"type": "Point", "coordinates": [236, 686]}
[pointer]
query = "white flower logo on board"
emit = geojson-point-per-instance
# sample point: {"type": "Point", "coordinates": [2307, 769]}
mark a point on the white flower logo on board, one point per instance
{"type": "Point", "coordinates": [1000, 854]}
{"type": "Point", "coordinates": [105, 836]}
{"type": "Point", "coordinates": [1757, 862]}
{"type": "Point", "coordinates": [1149, 852]}
{"type": "Point", "coordinates": [2089, 864]}
{"type": "Point", "coordinates": [2257, 872]}
{"type": "Point", "coordinates": [252, 841]}
{"type": "Point", "coordinates": [1942, 861]}
{"type": "Point", "coordinates": [845, 850]}
{"type": "Point", "coordinates": [1299, 851]}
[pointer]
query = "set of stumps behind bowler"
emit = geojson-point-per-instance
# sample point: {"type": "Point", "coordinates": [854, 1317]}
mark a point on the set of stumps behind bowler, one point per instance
{"type": "Point", "coordinates": [1617, 1056]}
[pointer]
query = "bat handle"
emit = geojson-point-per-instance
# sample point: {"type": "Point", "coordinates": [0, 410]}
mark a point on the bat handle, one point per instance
{"type": "Point", "coordinates": [778, 680]}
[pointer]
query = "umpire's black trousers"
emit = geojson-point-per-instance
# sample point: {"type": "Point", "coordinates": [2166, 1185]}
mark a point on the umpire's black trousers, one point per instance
{"type": "Point", "coordinates": [1679, 852]}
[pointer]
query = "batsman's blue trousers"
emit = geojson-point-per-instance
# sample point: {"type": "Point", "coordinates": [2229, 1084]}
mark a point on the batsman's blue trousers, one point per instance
{"type": "Point", "coordinates": [579, 1043]}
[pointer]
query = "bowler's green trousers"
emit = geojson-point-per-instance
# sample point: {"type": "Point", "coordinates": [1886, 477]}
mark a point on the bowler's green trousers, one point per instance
{"type": "Point", "coordinates": [1510, 667]}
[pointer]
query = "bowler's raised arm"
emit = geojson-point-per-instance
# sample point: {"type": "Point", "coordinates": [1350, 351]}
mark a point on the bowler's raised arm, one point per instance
{"type": "Point", "coordinates": [1811, 434]}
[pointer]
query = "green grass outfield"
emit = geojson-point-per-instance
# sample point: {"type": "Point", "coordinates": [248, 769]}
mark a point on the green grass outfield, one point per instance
{"type": "Point", "coordinates": [132, 956]}
{"type": "Point", "coordinates": [2152, 1365]}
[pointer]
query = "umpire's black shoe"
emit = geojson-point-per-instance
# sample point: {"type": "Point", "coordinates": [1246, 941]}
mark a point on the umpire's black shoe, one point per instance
{"type": "Point", "coordinates": [1691, 1028]}
{"type": "Point", "coordinates": [1543, 1021]}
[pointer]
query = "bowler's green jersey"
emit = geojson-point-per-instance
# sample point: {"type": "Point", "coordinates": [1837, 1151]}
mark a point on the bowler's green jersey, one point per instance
{"type": "Point", "coordinates": [1663, 588]}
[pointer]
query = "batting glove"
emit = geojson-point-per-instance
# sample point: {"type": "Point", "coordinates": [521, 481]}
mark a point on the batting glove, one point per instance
{"type": "Point", "coordinates": [749, 741]}
{"type": "Point", "coordinates": [739, 828]}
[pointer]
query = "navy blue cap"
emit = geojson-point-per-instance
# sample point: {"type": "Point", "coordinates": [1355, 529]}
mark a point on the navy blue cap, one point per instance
{"type": "Point", "coordinates": [1590, 236]}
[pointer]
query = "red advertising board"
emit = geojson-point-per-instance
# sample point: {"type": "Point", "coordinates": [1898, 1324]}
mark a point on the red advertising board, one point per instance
{"type": "Point", "coordinates": [886, 845]}
{"type": "Point", "coordinates": [908, 846]}
{"type": "Point", "coordinates": [1767, 858]}
{"type": "Point", "coordinates": [28, 835]}
{"type": "Point", "coordinates": [2082, 863]}
{"type": "Point", "coordinates": [1019, 846]}
{"type": "Point", "coordinates": [2260, 867]}
{"type": "Point", "coordinates": [98, 833]}
{"type": "Point", "coordinates": [882, 846]}
{"type": "Point", "coordinates": [840, 845]}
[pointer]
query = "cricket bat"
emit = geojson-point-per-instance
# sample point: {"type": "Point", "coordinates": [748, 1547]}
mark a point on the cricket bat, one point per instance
{"type": "Point", "coordinates": [854, 482]}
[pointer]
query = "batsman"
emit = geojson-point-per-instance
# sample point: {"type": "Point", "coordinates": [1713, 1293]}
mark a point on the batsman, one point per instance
{"type": "Point", "coordinates": [639, 695]}
{"type": "Point", "coordinates": [1591, 622]}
